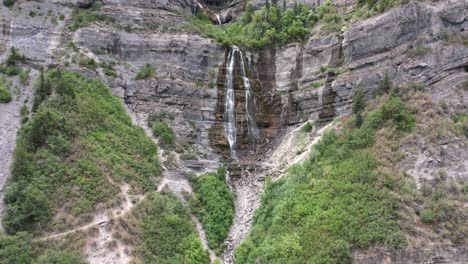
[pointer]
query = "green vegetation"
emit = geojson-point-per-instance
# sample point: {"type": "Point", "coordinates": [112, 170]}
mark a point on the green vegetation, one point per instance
{"type": "Point", "coordinates": [307, 128]}
{"type": "Point", "coordinates": [24, 76]}
{"type": "Point", "coordinates": [336, 200]}
{"type": "Point", "coordinates": [88, 63]}
{"type": "Point", "coordinates": [418, 51]}
{"type": "Point", "coordinates": [108, 68]}
{"type": "Point", "coordinates": [60, 257]}
{"type": "Point", "coordinates": [5, 94]}
{"type": "Point", "coordinates": [167, 233]}
{"type": "Point", "coordinates": [164, 133]}
{"type": "Point", "coordinates": [313, 85]}
{"type": "Point", "coordinates": [78, 147]}
{"type": "Point", "coordinates": [83, 17]}
{"type": "Point", "coordinates": [378, 6]}
{"type": "Point", "coordinates": [9, 3]}
{"type": "Point", "coordinates": [461, 122]}
{"type": "Point", "coordinates": [11, 67]}
{"type": "Point", "coordinates": [269, 26]}
{"type": "Point", "coordinates": [17, 249]}
{"type": "Point", "coordinates": [145, 72]}
{"type": "Point", "coordinates": [213, 204]}
{"type": "Point", "coordinates": [358, 106]}
{"type": "Point", "coordinates": [455, 38]}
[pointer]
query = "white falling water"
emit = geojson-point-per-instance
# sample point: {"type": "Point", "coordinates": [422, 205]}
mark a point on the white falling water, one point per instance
{"type": "Point", "coordinates": [249, 104]}
{"type": "Point", "coordinates": [229, 103]}
{"type": "Point", "coordinates": [218, 17]}
{"type": "Point", "coordinates": [199, 5]}
{"type": "Point", "coordinates": [229, 113]}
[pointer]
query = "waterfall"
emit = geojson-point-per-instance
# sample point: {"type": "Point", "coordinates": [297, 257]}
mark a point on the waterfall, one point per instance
{"type": "Point", "coordinates": [218, 17]}
{"type": "Point", "coordinates": [249, 104]}
{"type": "Point", "coordinates": [229, 112]}
{"type": "Point", "coordinates": [229, 103]}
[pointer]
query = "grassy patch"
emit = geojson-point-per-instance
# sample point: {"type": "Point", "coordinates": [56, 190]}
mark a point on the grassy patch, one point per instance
{"type": "Point", "coordinates": [167, 233]}
{"type": "Point", "coordinates": [214, 205]}
{"type": "Point", "coordinates": [84, 17]}
{"type": "Point", "coordinates": [418, 51]}
{"type": "Point", "coordinates": [145, 72]}
{"type": "Point", "coordinates": [78, 147]}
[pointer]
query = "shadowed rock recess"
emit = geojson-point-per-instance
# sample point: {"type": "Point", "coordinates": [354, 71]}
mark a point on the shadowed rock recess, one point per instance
{"type": "Point", "coordinates": [255, 112]}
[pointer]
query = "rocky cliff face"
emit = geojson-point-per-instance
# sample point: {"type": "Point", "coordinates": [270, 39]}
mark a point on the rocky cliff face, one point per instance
{"type": "Point", "coordinates": [314, 80]}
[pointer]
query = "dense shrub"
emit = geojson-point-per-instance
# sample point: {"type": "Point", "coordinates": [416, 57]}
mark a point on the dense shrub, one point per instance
{"type": "Point", "coordinates": [269, 26]}
{"type": "Point", "coordinates": [167, 233]}
{"type": "Point", "coordinates": [393, 109]}
{"type": "Point", "coordinates": [78, 139]}
{"type": "Point", "coordinates": [307, 127]}
{"type": "Point", "coordinates": [145, 72]}
{"type": "Point", "coordinates": [60, 257]}
{"type": "Point", "coordinates": [214, 205]}
{"type": "Point", "coordinates": [5, 94]}
{"type": "Point", "coordinates": [164, 133]}
{"type": "Point", "coordinates": [9, 3]}
{"type": "Point", "coordinates": [16, 249]}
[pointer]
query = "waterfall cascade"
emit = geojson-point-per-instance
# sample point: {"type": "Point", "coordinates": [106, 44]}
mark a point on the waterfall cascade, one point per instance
{"type": "Point", "coordinates": [218, 17]}
{"type": "Point", "coordinates": [230, 101]}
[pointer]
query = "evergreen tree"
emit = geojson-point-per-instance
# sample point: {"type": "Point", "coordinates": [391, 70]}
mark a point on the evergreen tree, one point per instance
{"type": "Point", "coordinates": [385, 86]}
{"type": "Point", "coordinates": [358, 101]}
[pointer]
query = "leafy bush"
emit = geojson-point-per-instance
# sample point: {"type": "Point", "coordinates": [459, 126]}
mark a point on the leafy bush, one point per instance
{"type": "Point", "coordinates": [214, 206]}
{"type": "Point", "coordinates": [9, 3]}
{"type": "Point", "coordinates": [5, 94]}
{"type": "Point", "coordinates": [164, 133]}
{"type": "Point", "coordinates": [393, 109]}
{"type": "Point", "coordinates": [146, 72]}
{"type": "Point", "coordinates": [307, 127]}
{"type": "Point", "coordinates": [75, 141]}
{"type": "Point", "coordinates": [11, 67]}
{"type": "Point", "coordinates": [167, 233]}
{"type": "Point", "coordinates": [88, 63]}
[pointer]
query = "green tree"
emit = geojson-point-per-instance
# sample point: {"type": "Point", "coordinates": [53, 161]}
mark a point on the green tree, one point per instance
{"type": "Point", "coordinates": [358, 101]}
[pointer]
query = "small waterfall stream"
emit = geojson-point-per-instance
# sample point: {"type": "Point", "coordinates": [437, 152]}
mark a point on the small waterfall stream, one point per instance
{"type": "Point", "coordinates": [249, 104]}
{"type": "Point", "coordinates": [230, 102]}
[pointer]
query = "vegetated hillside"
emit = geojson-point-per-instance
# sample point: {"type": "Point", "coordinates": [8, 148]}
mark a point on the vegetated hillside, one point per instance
{"type": "Point", "coordinates": [351, 193]}
{"type": "Point", "coordinates": [166, 231]}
